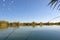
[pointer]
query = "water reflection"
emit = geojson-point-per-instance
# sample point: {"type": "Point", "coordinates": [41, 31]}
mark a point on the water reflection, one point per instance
{"type": "Point", "coordinates": [30, 33]}
{"type": "Point", "coordinates": [33, 26]}
{"type": "Point", "coordinates": [6, 27]}
{"type": "Point", "coordinates": [2, 27]}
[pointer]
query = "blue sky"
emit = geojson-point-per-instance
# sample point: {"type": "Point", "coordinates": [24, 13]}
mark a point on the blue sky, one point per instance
{"type": "Point", "coordinates": [27, 10]}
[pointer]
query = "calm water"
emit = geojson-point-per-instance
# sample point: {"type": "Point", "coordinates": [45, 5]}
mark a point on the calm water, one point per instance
{"type": "Point", "coordinates": [31, 33]}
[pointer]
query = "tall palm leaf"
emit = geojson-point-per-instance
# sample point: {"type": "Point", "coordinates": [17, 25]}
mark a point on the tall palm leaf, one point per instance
{"type": "Point", "coordinates": [55, 3]}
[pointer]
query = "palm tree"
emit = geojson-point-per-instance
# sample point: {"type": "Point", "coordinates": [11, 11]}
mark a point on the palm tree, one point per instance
{"type": "Point", "coordinates": [55, 3]}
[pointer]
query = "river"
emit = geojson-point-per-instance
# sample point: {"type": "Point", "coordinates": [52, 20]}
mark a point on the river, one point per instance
{"type": "Point", "coordinates": [31, 33]}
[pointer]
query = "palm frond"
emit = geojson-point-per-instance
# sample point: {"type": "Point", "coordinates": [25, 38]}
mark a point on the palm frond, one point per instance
{"type": "Point", "coordinates": [58, 7]}
{"type": "Point", "coordinates": [54, 3]}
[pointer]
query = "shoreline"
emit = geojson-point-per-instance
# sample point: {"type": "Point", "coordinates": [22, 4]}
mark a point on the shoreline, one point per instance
{"type": "Point", "coordinates": [6, 23]}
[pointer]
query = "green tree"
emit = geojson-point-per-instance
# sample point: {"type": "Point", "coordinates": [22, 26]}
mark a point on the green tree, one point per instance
{"type": "Point", "coordinates": [55, 3]}
{"type": "Point", "coordinates": [33, 23]}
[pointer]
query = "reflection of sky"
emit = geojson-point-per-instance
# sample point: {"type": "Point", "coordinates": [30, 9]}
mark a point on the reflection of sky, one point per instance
{"type": "Point", "coordinates": [26, 10]}
{"type": "Point", "coordinates": [30, 33]}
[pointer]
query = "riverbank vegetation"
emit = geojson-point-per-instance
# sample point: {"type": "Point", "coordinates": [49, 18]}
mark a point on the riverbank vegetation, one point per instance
{"type": "Point", "coordinates": [14, 24]}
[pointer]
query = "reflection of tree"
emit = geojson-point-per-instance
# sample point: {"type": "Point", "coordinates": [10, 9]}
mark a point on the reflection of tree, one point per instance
{"type": "Point", "coordinates": [33, 26]}
{"type": "Point", "coordinates": [2, 27]}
